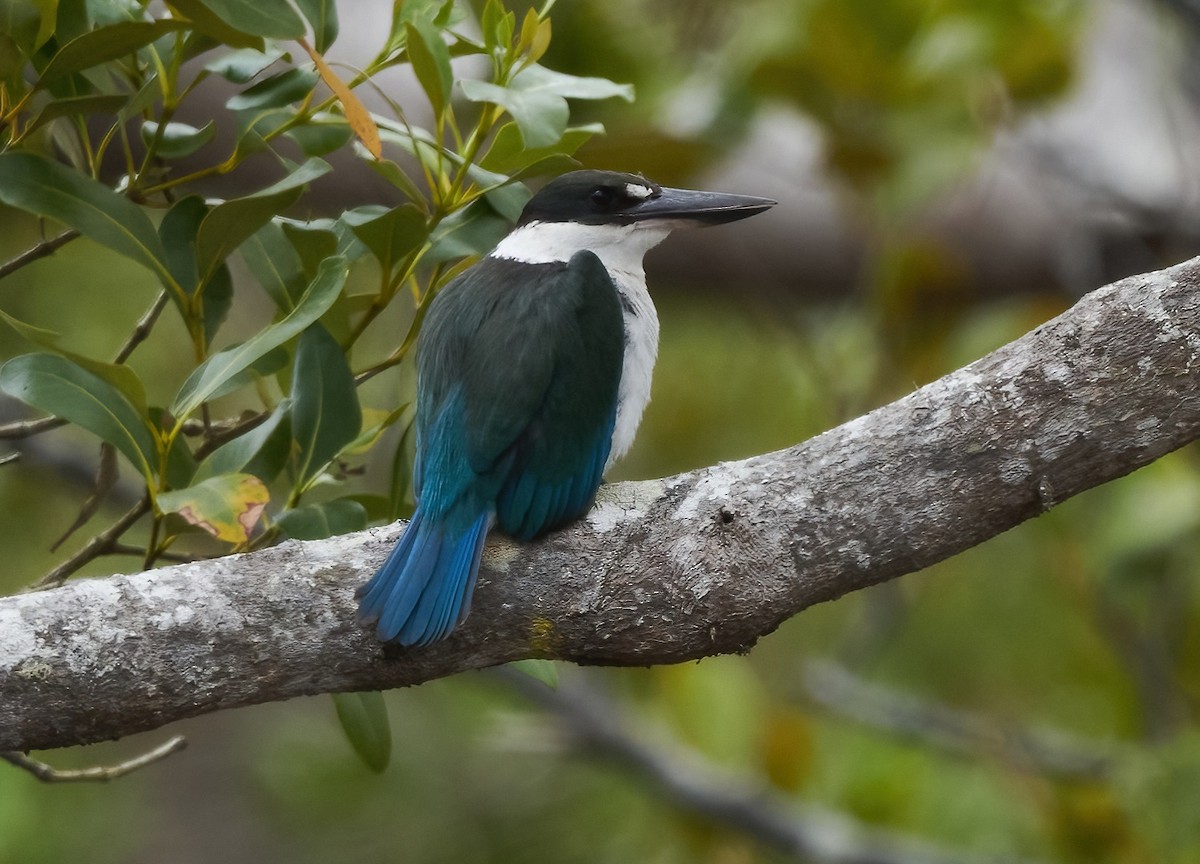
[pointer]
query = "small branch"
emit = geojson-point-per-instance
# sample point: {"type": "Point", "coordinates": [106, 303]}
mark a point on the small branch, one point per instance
{"type": "Point", "coordinates": [25, 428]}
{"type": "Point", "coordinates": [9, 458]}
{"type": "Point", "coordinates": [41, 250]}
{"type": "Point", "coordinates": [99, 545]}
{"type": "Point", "coordinates": [101, 774]}
{"type": "Point", "coordinates": [959, 732]}
{"type": "Point", "coordinates": [143, 327]}
{"type": "Point", "coordinates": [107, 474]}
{"type": "Point", "coordinates": [223, 431]}
{"type": "Point", "coordinates": [807, 832]}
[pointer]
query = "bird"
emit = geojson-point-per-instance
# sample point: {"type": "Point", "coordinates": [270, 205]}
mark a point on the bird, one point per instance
{"type": "Point", "coordinates": [533, 371]}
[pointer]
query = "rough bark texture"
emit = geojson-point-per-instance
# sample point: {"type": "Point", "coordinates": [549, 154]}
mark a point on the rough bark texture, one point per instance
{"type": "Point", "coordinates": [661, 571]}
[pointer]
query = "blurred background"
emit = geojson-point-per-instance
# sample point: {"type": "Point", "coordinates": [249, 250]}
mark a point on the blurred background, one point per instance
{"type": "Point", "coordinates": [950, 174]}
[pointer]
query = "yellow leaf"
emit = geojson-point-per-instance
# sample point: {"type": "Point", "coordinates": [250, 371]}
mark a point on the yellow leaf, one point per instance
{"type": "Point", "coordinates": [227, 507]}
{"type": "Point", "coordinates": [356, 113]}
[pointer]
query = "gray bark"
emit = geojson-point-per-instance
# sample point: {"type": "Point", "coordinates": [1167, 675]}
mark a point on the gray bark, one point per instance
{"type": "Point", "coordinates": [661, 571]}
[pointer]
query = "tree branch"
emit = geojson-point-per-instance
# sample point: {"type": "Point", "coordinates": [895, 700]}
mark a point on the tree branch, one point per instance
{"type": "Point", "coordinates": [660, 571]}
{"type": "Point", "coordinates": [805, 831]}
{"type": "Point", "coordinates": [961, 733]}
{"type": "Point", "coordinates": [102, 773]}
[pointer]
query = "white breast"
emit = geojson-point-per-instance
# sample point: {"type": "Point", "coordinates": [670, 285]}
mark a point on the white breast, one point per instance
{"type": "Point", "coordinates": [620, 248]}
{"type": "Point", "coordinates": [641, 350]}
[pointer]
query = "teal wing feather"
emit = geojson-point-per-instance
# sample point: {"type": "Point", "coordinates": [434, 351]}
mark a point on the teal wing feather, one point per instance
{"type": "Point", "coordinates": [518, 391]}
{"type": "Point", "coordinates": [519, 369]}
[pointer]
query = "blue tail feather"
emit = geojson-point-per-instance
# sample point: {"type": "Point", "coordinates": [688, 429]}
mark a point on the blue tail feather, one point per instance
{"type": "Point", "coordinates": [423, 589]}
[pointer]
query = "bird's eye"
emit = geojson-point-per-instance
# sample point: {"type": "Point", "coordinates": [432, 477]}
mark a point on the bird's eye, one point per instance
{"type": "Point", "coordinates": [603, 196]}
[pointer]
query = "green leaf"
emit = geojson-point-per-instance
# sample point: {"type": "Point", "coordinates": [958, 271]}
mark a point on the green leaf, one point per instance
{"type": "Point", "coordinates": [388, 234]}
{"type": "Point", "coordinates": [275, 92]}
{"type": "Point", "coordinates": [254, 128]}
{"type": "Point", "coordinates": [375, 423]}
{"type": "Point", "coordinates": [430, 62]}
{"type": "Point", "coordinates": [509, 156]}
{"type": "Point", "coordinates": [275, 263]}
{"type": "Point", "coordinates": [498, 25]}
{"type": "Point", "coordinates": [313, 241]}
{"type": "Point", "coordinates": [65, 389]}
{"type": "Point", "coordinates": [21, 22]}
{"type": "Point", "coordinates": [206, 21]}
{"type": "Point", "coordinates": [374, 506]}
{"type": "Point", "coordinates": [178, 232]}
{"type": "Point", "coordinates": [72, 19]}
{"type": "Point", "coordinates": [208, 377]}
{"type": "Point", "coordinates": [229, 224]}
{"type": "Point", "coordinates": [321, 137]}
{"type": "Point", "coordinates": [536, 99]}
{"type": "Point", "coordinates": [181, 464]}
{"type": "Point", "coordinates": [177, 139]}
{"type": "Point", "coordinates": [540, 670]}
{"type": "Point", "coordinates": [265, 366]}
{"type": "Point", "coordinates": [118, 375]}
{"type": "Point", "coordinates": [245, 64]}
{"type": "Point", "coordinates": [75, 105]}
{"type": "Point", "coordinates": [216, 300]}
{"type": "Point", "coordinates": [508, 199]}
{"type": "Point", "coordinates": [39, 186]}
{"type": "Point", "coordinates": [391, 172]}
{"type": "Point", "coordinates": [364, 719]}
{"type": "Point", "coordinates": [322, 15]}
{"type": "Point", "coordinates": [256, 452]}
{"type": "Point", "coordinates": [141, 101]}
{"type": "Point", "coordinates": [327, 519]}
{"type": "Point", "coordinates": [49, 15]}
{"type": "Point", "coordinates": [12, 59]}
{"type": "Point", "coordinates": [325, 412]}
{"type": "Point", "coordinates": [104, 44]}
{"type": "Point", "coordinates": [470, 231]}
{"type": "Point", "coordinates": [228, 507]}
{"type": "Point", "coordinates": [274, 19]}
{"type": "Point", "coordinates": [443, 14]}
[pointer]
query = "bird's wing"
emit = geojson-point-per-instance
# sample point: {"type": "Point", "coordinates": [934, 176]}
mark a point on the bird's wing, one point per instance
{"type": "Point", "coordinates": [519, 370]}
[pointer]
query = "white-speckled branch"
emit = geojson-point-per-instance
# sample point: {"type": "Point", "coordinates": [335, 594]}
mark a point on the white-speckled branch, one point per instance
{"type": "Point", "coordinates": [662, 571]}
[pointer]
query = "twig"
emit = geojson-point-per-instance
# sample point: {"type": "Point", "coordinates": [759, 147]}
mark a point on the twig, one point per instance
{"type": "Point", "coordinates": [100, 773]}
{"type": "Point", "coordinates": [9, 457]}
{"type": "Point", "coordinates": [143, 327]}
{"type": "Point", "coordinates": [41, 250]}
{"type": "Point", "coordinates": [25, 428]}
{"type": "Point", "coordinates": [805, 831]}
{"type": "Point", "coordinates": [220, 432]}
{"type": "Point", "coordinates": [106, 477]}
{"type": "Point", "coordinates": [959, 732]}
{"type": "Point", "coordinates": [97, 546]}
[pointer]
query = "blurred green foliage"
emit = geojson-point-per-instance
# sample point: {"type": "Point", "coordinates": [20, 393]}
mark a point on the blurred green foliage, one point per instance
{"type": "Point", "coordinates": [1084, 621]}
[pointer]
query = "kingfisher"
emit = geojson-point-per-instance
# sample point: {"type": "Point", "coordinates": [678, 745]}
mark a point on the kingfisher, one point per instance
{"type": "Point", "coordinates": [533, 370]}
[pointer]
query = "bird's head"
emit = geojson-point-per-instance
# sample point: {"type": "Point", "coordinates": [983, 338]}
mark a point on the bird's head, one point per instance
{"type": "Point", "coordinates": [618, 216]}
